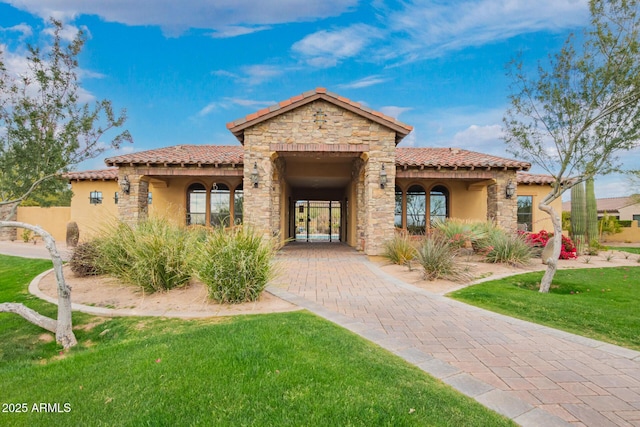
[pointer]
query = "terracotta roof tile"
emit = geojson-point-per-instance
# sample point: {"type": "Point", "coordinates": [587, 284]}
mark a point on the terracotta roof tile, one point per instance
{"type": "Point", "coordinates": [453, 157]}
{"type": "Point", "coordinates": [532, 178]}
{"type": "Point", "coordinates": [608, 204]}
{"type": "Point", "coordinates": [93, 175]}
{"type": "Point", "coordinates": [183, 154]}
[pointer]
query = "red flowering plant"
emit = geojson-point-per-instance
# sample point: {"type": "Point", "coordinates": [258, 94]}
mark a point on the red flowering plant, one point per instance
{"type": "Point", "coordinates": [539, 240]}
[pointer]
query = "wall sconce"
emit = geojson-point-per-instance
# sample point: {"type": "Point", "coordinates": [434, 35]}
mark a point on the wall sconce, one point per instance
{"type": "Point", "coordinates": [319, 118]}
{"type": "Point", "coordinates": [125, 185]}
{"type": "Point", "coordinates": [510, 190]}
{"type": "Point", "coordinates": [383, 177]}
{"type": "Point", "coordinates": [254, 175]}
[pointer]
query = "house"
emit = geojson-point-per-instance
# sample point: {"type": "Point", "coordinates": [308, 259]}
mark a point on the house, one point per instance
{"type": "Point", "coordinates": [317, 166]}
{"type": "Point", "coordinates": [621, 208]}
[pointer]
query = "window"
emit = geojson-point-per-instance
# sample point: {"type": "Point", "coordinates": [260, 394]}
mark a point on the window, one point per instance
{"type": "Point", "coordinates": [116, 197]}
{"type": "Point", "coordinates": [398, 210]}
{"type": "Point", "coordinates": [636, 218]}
{"type": "Point", "coordinates": [149, 198]}
{"type": "Point", "coordinates": [219, 205]}
{"type": "Point", "coordinates": [238, 203]}
{"type": "Point", "coordinates": [196, 204]}
{"type": "Point", "coordinates": [438, 204]}
{"type": "Point", "coordinates": [525, 213]}
{"type": "Point", "coordinates": [95, 197]}
{"type": "Point", "coordinates": [416, 209]}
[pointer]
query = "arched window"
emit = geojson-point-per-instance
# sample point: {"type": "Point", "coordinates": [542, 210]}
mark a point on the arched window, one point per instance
{"type": "Point", "coordinates": [196, 204]}
{"type": "Point", "coordinates": [398, 210]}
{"type": "Point", "coordinates": [416, 209]}
{"type": "Point", "coordinates": [438, 204]}
{"type": "Point", "coordinates": [220, 202]}
{"type": "Point", "coordinates": [238, 199]}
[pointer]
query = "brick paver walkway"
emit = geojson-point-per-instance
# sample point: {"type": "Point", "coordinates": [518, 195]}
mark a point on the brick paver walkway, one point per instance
{"type": "Point", "coordinates": [535, 375]}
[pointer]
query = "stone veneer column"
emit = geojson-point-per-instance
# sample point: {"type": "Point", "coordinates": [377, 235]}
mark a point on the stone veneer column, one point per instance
{"type": "Point", "coordinates": [379, 203]}
{"type": "Point", "coordinates": [133, 207]}
{"type": "Point", "coordinates": [503, 211]}
{"type": "Point", "coordinates": [259, 207]}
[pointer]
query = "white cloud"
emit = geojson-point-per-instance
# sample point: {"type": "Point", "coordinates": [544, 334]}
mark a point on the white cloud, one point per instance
{"type": "Point", "coordinates": [256, 74]}
{"type": "Point", "coordinates": [364, 82]}
{"type": "Point", "coordinates": [478, 137]}
{"type": "Point", "coordinates": [230, 102]}
{"type": "Point", "coordinates": [24, 29]}
{"type": "Point", "coordinates": [176, 17]}
{"type": "Point", "coordinates": [426, 28]}
{"type": "Point", "coordinates": [393, 111]}
{"type": "Point", "coordinates": [237, 30]}
{"type": "Point", "coordinates": [327, 48]}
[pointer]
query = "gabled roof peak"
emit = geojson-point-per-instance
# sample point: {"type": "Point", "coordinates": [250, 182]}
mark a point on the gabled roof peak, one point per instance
{"type": "Point", "coordinates": [237, 127]}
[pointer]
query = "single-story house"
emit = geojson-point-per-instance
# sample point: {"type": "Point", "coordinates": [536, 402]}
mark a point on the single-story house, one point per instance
{"type": "Point", "coordinates": [622, 208]}
{"type": "Point", "coordinates": [317, 166]}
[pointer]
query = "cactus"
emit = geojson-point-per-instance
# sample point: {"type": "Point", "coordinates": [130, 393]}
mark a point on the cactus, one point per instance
{"type": "Point", "coordinates": [578, 216]}
{"type": "Point", "coordinates": [591, 212]}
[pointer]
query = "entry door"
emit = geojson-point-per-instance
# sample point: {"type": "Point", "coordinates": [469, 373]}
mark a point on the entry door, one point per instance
{"type": "Point", "coordinates": [317, 220]}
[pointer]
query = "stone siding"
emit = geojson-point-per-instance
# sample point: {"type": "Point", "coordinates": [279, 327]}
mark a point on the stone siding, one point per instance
{"type": "Point", "coordinates": [503, 211]}
{"type": "Point", "coordinates": [133, 207]}
{"type": "Point", "coordinates": [341, 131]}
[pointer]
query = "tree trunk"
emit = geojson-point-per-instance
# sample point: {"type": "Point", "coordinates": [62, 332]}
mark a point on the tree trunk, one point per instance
{"type": "Point", "coordinates": [552, 261]}
{"type": "Point", "coordinates": [63, 326]}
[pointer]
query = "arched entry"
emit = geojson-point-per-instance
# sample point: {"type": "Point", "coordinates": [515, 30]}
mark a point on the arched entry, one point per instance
{"type": "Point", "coordinates": [317, 221]}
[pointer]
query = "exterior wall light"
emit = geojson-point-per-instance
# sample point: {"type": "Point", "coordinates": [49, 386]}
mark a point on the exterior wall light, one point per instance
{"type": "Point", "coordinates": [319, 118]}
{"type": "Point", "coordinates": [125, 185]}
{"type": "Point", "coordinates": [383, 177]}
{"type": "Point", "coordinates": [255, 178]}
{"type": "Point", "coordinates": [510, 190]}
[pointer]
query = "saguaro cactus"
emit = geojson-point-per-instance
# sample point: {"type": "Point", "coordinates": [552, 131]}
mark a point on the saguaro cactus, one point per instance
{"type": "Point", "coordinates": [578, 216]}
{"type": "Point", "coordinates": [591, 212]}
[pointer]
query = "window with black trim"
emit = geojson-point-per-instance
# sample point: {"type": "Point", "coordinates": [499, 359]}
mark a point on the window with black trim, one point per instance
{"type": "Point", "coordinates": [525, 213]}
{"type": "Point", "coordinates": [438, 204]}
{"type": "Point", "coordinates": [196, 204]}
{"type": "Point", "coordinates": [416, 209]}
{"type": "Point", "coordinates": [95, 197]}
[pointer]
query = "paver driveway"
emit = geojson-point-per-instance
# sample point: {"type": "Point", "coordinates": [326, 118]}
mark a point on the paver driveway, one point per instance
{"type": "Point", "coordinates": [535, 375]}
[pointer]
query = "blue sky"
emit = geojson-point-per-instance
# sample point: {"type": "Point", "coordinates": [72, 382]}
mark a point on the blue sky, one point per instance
{"type": "Point", "coordinates": [184, 69]}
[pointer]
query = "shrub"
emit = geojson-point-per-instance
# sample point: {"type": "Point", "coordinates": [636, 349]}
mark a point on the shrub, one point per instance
{"type": "Point", "coordinates": [438, 259]}
{"type": "Point", "coordinates": [460, 232]}
{"type": "Point", "coordinates": [235, 264]}
{"type": "Point", "coordinates": [400, 250]}
{"type": "Point", "coordinates": [509, 248]}
{"type": "Point", "coordinates": [85, 260]}
{"type": "Point", "coordinates": [153, 255]}
{"type": "Point", "coordinates": [539, 240]}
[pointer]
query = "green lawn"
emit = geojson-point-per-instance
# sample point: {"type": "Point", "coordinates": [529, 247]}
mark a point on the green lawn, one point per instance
{"type": "Point", "coordinates": [628, 249]}
{"type": "Point", "coordinates": [600, 303]}
{"type": "Point", "coordinates": [279, 369]}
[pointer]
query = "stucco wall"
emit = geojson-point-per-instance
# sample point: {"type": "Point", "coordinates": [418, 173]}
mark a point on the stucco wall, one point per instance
{"type": "Point", "coordinates": [90, 217]}
{"type": "Point", "coordinates": [54, 220]}
{"type": "Point", "coordinates": [628, 212]}
{"type": "Point", "coordinates": [540, 220]}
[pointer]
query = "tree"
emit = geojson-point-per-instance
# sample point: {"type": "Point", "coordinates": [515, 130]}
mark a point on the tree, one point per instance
{"type": "Point", "coordinates": [47, 131]}
{"type": "Point", "coordinates": [576, 115]}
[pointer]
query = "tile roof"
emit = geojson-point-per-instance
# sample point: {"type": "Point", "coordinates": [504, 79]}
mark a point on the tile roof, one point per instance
{"type": "Point", "coordinates": [533, 178]}
{"type": "Point", "coordinates": [609, 204]}
{"type": "Point", "coordinates": [183, 155]}
{"type": "Point", "coordinates": [454, 157]}
{"type": "Point", "coordinates": [93, 175]}
{"type": "Point", "coordinates": [237, 127]}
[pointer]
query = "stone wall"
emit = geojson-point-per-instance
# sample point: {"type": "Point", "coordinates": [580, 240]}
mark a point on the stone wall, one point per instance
{"type": "Point", "coordinates": [329, 128]}
{"type": "Point", "coordinates": [500, 209]}
{"type": "Point", "coordinates": [133, 207]}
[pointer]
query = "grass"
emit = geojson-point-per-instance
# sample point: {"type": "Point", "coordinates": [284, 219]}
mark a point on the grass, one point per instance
{"type": "Point", "coordinates": [278, 369]}
{"type": "Point", "coordinates": [598, 303]}
{"type": "Point", "coordinates": [625, 249]}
